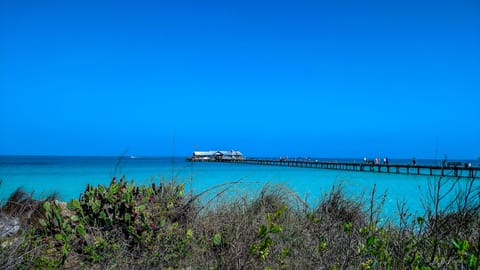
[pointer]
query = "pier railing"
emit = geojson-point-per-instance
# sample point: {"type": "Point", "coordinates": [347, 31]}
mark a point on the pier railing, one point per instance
{"type": "Point", "coordinates": [426, 170]}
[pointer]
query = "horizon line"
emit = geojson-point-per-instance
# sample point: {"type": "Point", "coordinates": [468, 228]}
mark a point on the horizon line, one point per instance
{"type": "Point", "coordinates": [184, 156]}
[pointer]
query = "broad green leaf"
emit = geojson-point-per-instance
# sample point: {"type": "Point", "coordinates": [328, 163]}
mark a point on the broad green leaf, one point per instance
{"type": "Point", "coordinates": [280, 211]}
{"type": "Point", "coordinates": [47, 206]}
{"type": "Point", "coordinates": [347, 227]}
{"type": "Point", "coordinates": [73, 205]}
{"type": "Point", "coordinates": [115, 188]}
{"type": "Point", "coordinates": [455, 243]}
{"type": "Point", "coordinates": [464, 245]}
{"type": "Point", "coordinates": [275, 229]}
{"type": "Point", "coordinates": [127, 217]}
{"type": "Point", "coordinates": [65, 250]}
{"type": "Point", "coordinates": [190, 234]}
{"type": "Point", "coordinates": [322, 246]}
{"type": "Point", "coordinates": [253, 249]}
{"type": "Point", "coordinates": [58, 236]}
{"type": "Point", "coordinates": [140, 208]}
{"type": "Point", "coordinates": [371, 240]}
{"type": "Point", "coordinates": [262, 230]}
{"type": "Point", "coordinates": [42, 222]}
{"type": "Point", "coordinates": [269, 218]}
{"type": "Point", "coordinates": [472, 261]}
{"type": "Point", "coordinates": [81, 230]}
{"type": "Point", "coordinates": [217, 239]}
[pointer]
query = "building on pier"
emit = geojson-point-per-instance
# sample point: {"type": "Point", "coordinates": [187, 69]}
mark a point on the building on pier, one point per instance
{"type": "Point", "coordinates": [216, 155]}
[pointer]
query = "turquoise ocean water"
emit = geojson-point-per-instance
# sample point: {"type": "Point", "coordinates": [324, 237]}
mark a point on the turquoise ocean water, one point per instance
{"type": "Point", "coordinates": [68, 176]}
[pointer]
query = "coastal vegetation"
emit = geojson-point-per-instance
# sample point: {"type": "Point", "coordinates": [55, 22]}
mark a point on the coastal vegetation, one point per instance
{"type": "Point", "coordinates": [161, 226]}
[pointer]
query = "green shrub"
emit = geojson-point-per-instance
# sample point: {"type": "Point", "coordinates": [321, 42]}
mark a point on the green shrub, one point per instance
{"type": "Point", "coordinates": [122, 225]}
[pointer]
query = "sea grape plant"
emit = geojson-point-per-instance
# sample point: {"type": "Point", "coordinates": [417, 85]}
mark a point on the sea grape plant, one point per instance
{"type": "Point", "coordinates": [133, 210]}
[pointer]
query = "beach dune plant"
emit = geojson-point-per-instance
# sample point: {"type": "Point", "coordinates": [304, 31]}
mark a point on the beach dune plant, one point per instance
{"type": "Point", "coordinates": [18, 216]}
{"type": "Point", "coordinates": [143, 217]}
{"type": "Point", "coordinates": [158, 226]}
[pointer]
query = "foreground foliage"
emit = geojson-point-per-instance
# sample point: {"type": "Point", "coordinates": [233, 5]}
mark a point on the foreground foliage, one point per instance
{"type": "Point", "coordinates": [159, 226]}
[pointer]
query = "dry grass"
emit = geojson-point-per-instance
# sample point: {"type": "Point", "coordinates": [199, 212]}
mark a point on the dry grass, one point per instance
{"type": "Point", "coordinates": [274, 230]}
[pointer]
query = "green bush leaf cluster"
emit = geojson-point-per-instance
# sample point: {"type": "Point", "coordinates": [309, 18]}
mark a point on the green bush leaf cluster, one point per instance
{"type": "Point", "coordinates": [123, 225]}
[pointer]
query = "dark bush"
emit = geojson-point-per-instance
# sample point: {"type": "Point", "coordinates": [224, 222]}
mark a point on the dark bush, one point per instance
{"type": "Point", "coordinates": [125, 226]}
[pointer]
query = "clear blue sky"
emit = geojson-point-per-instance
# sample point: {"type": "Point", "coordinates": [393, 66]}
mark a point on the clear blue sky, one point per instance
{"type": "Point", "coordinates": [298, 78]}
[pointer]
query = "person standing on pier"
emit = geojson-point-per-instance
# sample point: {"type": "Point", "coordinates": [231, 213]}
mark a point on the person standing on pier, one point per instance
{"type": "Point", "coordinates": [385, 160]}
{"type": "Point", "coordinates": [414, 161]}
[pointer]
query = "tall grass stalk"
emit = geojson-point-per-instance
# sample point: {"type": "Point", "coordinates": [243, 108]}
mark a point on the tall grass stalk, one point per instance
{"type": "Point", "coordinates": [128, 226]}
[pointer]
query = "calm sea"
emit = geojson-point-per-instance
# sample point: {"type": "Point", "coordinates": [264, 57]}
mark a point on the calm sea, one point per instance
{"type": "Point", "coordinates": [68, 176]}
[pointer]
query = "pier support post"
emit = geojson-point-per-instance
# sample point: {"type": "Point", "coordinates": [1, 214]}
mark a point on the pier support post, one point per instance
{"type": "Point", "coordinates": [469, 172]}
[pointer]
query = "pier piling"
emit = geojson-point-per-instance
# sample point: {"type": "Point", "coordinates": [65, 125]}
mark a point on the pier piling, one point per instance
{"type": "Point", "coordinates": [426, 170]}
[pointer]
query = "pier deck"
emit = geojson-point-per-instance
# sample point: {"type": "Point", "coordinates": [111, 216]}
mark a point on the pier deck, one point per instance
{"type": "Point", "coordinates": [426, 170]}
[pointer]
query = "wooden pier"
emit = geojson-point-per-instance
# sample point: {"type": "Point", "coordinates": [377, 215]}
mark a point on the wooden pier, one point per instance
{"type": "Point", "coordinates": [425, 170]}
